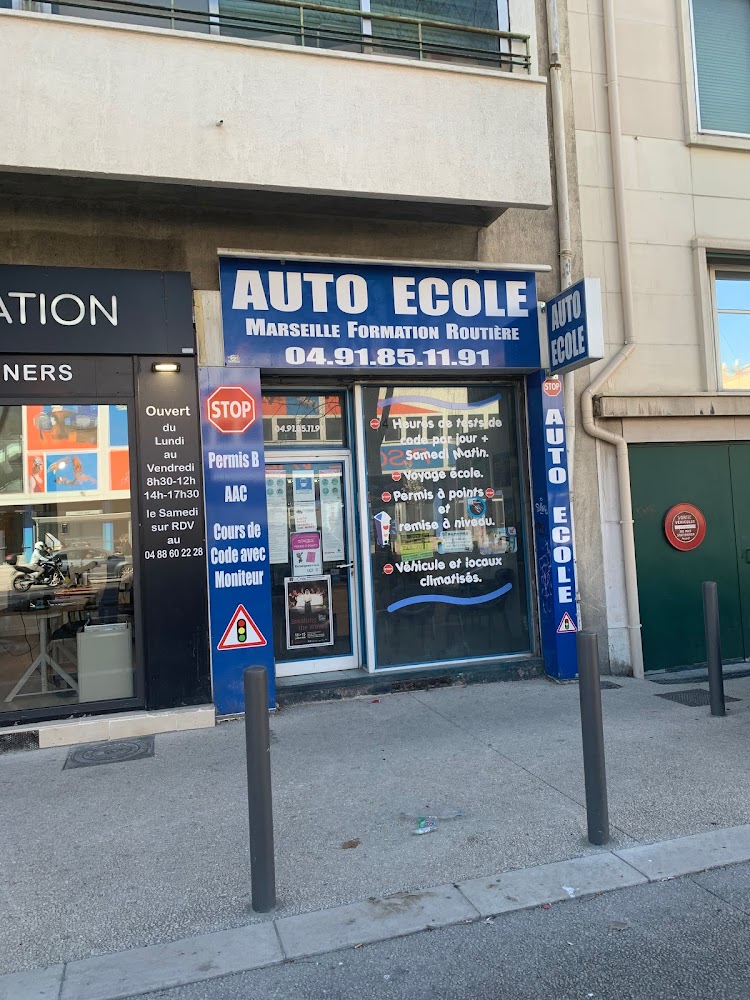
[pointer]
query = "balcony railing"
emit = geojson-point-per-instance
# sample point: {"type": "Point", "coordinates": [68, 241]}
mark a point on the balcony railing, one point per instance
{"type": "Point", "coordinates": [315, 25]}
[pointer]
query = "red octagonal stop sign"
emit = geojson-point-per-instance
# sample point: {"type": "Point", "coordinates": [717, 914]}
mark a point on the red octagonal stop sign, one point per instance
{"type": "Point", "coordinates": [231, 409]}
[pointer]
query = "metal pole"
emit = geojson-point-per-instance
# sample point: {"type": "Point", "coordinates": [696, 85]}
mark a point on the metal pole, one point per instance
{"type": "Point", "coordinates": [713, 647]}
{"type": "Point", "coordinates": [260, 809]}
{"type": "Point", "coordinates": [592, 732]}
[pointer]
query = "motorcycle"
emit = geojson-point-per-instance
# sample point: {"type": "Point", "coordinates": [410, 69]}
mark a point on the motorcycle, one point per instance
{"type": "Point", "coordinates": [44, 569]}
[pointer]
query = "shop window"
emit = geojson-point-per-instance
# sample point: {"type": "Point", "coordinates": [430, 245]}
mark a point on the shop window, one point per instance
{"type": "Point", "coordinates": [66, 576]}
{"type": "Point", "coordinates": [164, 15]}
{"type": "Point", "coordinates": [446, 523]}
{"type": "Point", "coordinates": [732, 294]}
{"type": "Point", "coordinates": [300, 418]}
{"type": "Point", "coordinates": [721, 44]}
{"type": "Point", "coordinates": [441, 43]}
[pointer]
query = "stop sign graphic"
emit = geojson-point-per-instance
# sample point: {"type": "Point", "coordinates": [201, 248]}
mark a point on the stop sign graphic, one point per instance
{"type": "Point", "coordinates": [231, 409]}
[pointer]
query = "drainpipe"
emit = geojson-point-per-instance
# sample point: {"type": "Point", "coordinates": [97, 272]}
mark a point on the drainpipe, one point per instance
{"type": "Point", "coordinates": [564, 237]}
{"type": "Point", "coordinates": [563, 198]}
{"type": "Point", "coordinates": [587, 398]}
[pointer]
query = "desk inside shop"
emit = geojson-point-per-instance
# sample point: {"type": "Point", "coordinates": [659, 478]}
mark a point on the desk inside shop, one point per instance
{"type": "Point", "coordinates": [69, 644]}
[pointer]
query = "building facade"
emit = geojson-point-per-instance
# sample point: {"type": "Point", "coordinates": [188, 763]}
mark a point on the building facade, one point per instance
{"type": "Point", "coordinates": [662, 119]}
{"type": "Point", "coordinates": [361, 209]}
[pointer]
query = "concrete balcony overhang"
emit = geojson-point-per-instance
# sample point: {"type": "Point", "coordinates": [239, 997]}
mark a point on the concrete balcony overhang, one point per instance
{"type": "Point", "coordinates": [268, 125]}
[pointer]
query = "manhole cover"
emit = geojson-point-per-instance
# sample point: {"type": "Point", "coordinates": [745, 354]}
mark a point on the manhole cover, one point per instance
{"type": "Point", "coordinates": [693, 697]}
{"type": "Point", "coordinates": [609, 686]}
{"type": "Point", "coordinates": [111, 752]}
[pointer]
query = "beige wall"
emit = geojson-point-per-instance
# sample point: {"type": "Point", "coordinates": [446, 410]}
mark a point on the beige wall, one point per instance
{"type": "Point", "coordinates": [676, 192]}
{"type": "Point", "coordinates": [684, 196]}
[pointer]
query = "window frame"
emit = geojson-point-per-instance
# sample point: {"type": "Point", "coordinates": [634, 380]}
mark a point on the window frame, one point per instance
{"type": "Point", "coordinates": [720, 268]}
{"type": "Point", "coordinates": [695, 134]}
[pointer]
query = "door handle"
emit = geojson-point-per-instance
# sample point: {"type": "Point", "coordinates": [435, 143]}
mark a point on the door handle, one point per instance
{"type": "Point", "coordinates": [350, 565]}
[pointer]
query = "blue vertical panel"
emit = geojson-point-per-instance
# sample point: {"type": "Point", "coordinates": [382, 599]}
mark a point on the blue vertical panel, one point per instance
{"type": "Point", "coordinates": [552, 526]}
{"type": "Point", "coordinates": [239, 579]}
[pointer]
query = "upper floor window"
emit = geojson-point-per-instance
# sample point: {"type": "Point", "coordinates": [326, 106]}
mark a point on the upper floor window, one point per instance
{"type": "Point", "coordinates": [732, 292]}
{"type": "Point", "coordinates": [466, 31]}
{"type": "Point", "coordinates": [721, 42]}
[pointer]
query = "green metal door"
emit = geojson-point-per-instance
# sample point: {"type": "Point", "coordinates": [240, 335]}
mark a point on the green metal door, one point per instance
{"type": "Point", "coordinates": [739, 462]}
{"type": "Point", "coordinates": [669, 581]}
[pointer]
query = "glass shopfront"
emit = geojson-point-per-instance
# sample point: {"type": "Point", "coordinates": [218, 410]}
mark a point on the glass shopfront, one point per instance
{"type": "Point", "coordinates": [431, 564]}
{"type": "Point", "coordinates": [102, 538]}
{"type": "Point", "coordinates": [415, 470]}
{"type": "Point", "coordinates": [446, 535]}
{"type": "Point", "coordinates": [67, 623]}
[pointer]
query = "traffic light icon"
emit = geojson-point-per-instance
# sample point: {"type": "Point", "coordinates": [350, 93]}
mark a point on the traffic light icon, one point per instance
{"type": "Point", "coordinates": [241, 630]}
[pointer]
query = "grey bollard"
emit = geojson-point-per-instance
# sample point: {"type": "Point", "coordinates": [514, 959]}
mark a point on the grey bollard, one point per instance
{"type": "Point", "coordinates": [592, 732]}
{"type": "Point", "coordinates": [713, 647]}
{"type": "Point", "coordinates": [259, 804]}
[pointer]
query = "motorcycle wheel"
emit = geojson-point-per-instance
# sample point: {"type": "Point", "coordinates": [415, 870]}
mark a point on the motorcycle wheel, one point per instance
{"type": "Point", "coordinates": [22, 583]}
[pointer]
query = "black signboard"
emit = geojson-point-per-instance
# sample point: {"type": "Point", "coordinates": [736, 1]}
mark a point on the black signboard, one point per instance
{"type": "Point", "coordinates": [172, 536]}
{"type": "Point", "coordinates": [56, 377]}
{"type": "Point", "coordinates": [75, 310]}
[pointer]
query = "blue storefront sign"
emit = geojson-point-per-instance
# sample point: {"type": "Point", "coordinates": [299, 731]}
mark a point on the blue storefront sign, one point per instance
{"type": "Point", "coordinates": [552, 526]}
{"type": "Point", "coordinates": [575, 329]}
{"type": "Point", "coordinates": [239, 586]}
{"type": "Point", "coordinates": [326, 316]}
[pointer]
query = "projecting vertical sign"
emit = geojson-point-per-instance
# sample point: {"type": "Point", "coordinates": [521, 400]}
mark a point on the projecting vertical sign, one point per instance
{"type": "Point", "coordinates": [239, 584]}
{"type": "Point", "coordinates": [552, 526]}
{"type": "Point", "coordinates": [575, 329]}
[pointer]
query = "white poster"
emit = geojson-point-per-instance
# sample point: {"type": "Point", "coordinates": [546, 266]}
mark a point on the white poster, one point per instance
{"type": "Point", "coordinates": [305, 517]}
{"type": "Point", "coordinates": [278, 536]}
{"type": "Point", "coordinates": [305, 513]}
{"type": "Point", "coordinates": [332, 515]}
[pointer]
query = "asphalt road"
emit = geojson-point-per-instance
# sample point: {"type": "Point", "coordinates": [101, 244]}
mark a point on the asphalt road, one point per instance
{"type": "Point", "coordinates": [687, 938]}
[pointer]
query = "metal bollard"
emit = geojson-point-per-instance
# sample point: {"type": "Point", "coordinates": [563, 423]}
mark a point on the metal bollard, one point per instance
{"type": "Point", "coordinates": [260, 808]}
{"type": "Point", "coordinates": [592, 732]}
{"type": "Point", "coordinates": [713, 647]}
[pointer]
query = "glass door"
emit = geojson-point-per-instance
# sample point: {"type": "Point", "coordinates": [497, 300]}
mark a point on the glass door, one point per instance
{"type": "Point", "coordinates": [313, 572]}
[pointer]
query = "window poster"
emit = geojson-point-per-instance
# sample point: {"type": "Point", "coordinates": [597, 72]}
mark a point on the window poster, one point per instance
{"type": "Point", "coordinates": [67, 448]}
{"type": "Point", "coordinates": [278, 527]}
{"type": "Point", "coordinates": [307, 558]}
{"type": "Point", "coordinates": [445, 519]}
{"type": "Point", "coordinates": [303, 495]}
{"type": "Point", "coordinates": [332, 514]}
{"type": "Point", "coordinates": [309, 619]}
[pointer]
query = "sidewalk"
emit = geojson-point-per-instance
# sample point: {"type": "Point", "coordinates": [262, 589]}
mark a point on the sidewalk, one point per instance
{"type": "Point", "coordinates": [119, 856]}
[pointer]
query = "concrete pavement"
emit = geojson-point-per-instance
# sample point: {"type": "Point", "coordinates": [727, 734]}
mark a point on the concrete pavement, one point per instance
{"type": "Point", "coordinates": [274, 942]}
{"type": "Point", "coordinates": [103, 859]}
{"type": "Point", "coordinates": [683, 939]}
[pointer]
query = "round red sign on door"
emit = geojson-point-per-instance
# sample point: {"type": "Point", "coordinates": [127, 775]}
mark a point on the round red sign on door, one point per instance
{"type": "Point", "coordinates": [385, 497]}
{"type": "Point", "coordinates": [231, 409]}
{"type": "Point", "coordinates": [388, 569]}
{"type": "Point", "coordinates": [374, 423]}
{"type": "Point", "coordinates": [685, 527]}
{"type": "Point", "coordinates": [489, 493]}
{"type": "Point", "coordinates": [396, 477]}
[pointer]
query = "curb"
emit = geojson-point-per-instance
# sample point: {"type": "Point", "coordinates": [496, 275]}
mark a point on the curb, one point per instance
{"type": "Point", "coordinates": [242, 949]}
